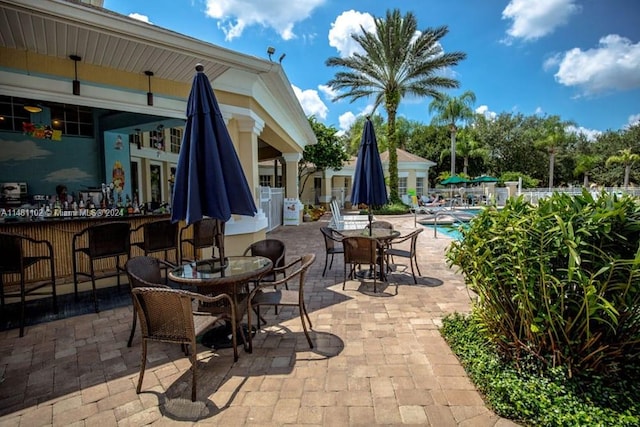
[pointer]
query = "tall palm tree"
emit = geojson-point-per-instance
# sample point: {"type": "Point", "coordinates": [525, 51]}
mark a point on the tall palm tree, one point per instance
{"type": "Point", "coordinates": [450, 111]}
{"type": "Point", "coordinates": [553, 140]}
{"type": "Point", "coordinates": [585, 163]}
{"type": "Point", "coordinates": [467, 147]}
{"type": "Point", "coordinates": [627, 159]}
{"type": "Point", "coordinates": [398, 61]}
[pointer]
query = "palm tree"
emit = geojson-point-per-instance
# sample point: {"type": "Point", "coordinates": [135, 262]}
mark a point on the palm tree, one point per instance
{"type": "Point", "coordinates": [552, 141]}
{"type": "Point", "coordinates": [627, 159]}
{"type": "Point", "coordinates": [585, 163]}
{"type": "Point", "coordinates": [467, 147]}
{"type": "Point", "coordinates": [450, 111]}
{"type": "Point", "coordinates": [398, 61]}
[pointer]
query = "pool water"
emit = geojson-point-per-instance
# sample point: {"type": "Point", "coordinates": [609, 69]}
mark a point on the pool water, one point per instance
{"type": "Point", "coordinates": [448, 230]}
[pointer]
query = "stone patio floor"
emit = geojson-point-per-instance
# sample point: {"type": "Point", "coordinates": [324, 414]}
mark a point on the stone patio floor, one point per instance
{"type": "Point", "coordinates": [378, 359]}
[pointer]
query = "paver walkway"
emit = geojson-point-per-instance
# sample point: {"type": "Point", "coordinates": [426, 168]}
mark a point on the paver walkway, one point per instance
{"type": "Point", "coordinates": [378, 360]}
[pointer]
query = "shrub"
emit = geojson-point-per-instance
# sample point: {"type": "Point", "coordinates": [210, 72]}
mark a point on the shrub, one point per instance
{"type": "Point", "coordinates": [392, 209]}
{"type": "Point", "coordinates": [545, 397]}
{"type": "Point", "coordinates": [558, 282]}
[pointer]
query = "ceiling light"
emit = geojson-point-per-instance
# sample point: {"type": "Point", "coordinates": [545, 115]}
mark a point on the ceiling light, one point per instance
{"type": "Point", "coordinates": [33, 108]}
{"type": "Point", "coordinates": [149, 74]}
{"type": "Point", "coordinates": [76, 82]}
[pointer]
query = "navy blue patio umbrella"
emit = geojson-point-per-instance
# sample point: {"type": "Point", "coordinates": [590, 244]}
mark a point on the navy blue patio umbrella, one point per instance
{"type": "Point", "coordinates": [368, 182]}
{"type": "Point", "coordinates": [209, 179]}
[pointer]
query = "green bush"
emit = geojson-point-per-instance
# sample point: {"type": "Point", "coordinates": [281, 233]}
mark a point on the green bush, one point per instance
{"type": "Point", "coordinates": [558, 282]}
{"type": "Point", "coordinates": [540, 397]}
{"type": "Point", "coordinates": [392, 209]}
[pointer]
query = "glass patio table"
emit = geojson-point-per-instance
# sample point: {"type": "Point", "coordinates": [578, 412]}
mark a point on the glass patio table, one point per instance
{"type": "Point", "coordinates": [213, 276]}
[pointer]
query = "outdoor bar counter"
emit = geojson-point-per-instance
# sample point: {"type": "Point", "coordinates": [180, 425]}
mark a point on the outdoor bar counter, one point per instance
{"type": "Point", "coordinates": [59, 231]}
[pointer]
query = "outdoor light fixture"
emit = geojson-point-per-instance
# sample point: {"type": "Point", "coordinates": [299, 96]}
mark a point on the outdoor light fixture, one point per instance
{"type": "Point", "coordinates": [33, 108]}
{"type": "Point", "coordinates": [149, 74]}
{"type": "Point", "coordinates": [76, 82]}
{"type": "Point", "coordinates": [270, 51]}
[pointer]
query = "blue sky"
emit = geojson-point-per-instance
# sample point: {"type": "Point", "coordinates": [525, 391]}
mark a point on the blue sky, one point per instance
{"type": "Point", "coordinates": [579, 59]}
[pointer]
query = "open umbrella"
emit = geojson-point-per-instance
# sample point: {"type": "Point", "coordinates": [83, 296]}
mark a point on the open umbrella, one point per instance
{"type": "Point", "coordinates": [368, 182]}
{"type": "Point", "coordinates": [455, 179]}
{"type": "Point", "coordinates": [484, 178]}
{"type": "Point", "coordinates": [209, 179]}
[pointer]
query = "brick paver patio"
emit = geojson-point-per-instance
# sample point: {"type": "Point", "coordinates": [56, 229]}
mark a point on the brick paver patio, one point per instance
{"type": "Point", "coordinates": [378, 360]}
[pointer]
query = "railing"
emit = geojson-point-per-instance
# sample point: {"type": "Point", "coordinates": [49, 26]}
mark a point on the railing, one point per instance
{"type": "Point", "coordinates": [271, 203]}
{"type": "Point", "coordinates": [532, 195]}
{"type": "Point", "coordinates": [445, 210]}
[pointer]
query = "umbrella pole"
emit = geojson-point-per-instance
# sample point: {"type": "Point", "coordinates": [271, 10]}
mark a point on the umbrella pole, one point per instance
{"type": "Point", "coordinates": [370, 221]}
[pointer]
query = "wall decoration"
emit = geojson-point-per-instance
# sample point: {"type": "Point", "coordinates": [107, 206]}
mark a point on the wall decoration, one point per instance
{"type": "Point", "coordinates": [41, 131]}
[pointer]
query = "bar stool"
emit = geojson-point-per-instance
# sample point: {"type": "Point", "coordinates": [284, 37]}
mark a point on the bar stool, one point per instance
{"type": "Point", "coordinates": [207, 233]}
{"type": "Point", "coordinates": [158, 236]}
{"type": "Point", "coordinates": [19, 253]}
{"type": "Point", "coordinates": [103, 241]}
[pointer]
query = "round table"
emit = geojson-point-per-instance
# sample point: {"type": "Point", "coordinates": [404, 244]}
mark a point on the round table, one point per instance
{"type": "Point", "coordinates": [383, 235]}
{"type": "Point", "coordinates": [212, 277]}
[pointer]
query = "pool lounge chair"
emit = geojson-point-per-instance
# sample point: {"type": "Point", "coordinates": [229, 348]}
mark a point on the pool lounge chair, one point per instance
{"type": "Point", "coordinates": [346, 222]}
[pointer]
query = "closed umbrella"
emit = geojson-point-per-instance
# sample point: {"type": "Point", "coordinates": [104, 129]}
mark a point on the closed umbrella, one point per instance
{"type": "Point", "coordinates": [368, 182]}
{"type": "Point", "coordinates": [209, 178]}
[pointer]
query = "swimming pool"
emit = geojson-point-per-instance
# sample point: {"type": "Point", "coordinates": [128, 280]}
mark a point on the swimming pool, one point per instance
{"type": "Point", "coordinates": [448, 230]}
{"type": "Point", "coordinates": [447, 223]}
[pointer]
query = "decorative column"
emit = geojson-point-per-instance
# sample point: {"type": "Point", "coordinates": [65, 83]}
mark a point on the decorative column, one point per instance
{"type": "Point", "coordinates": [291, 174]}
{"type": "Point", "coordinates": [327, 187]}
{"type": "Point", "coordinates": [248, 130]}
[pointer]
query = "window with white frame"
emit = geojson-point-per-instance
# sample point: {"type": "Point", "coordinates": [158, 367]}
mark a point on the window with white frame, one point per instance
{"type": "Point", "coordinates": [175, 139]}
{"type": "Point", "coordinates": [402, 185]}
{"type": "Point", "coordinates": [265, 180]}
{"type": "Point", "coordinates": [419, 186]}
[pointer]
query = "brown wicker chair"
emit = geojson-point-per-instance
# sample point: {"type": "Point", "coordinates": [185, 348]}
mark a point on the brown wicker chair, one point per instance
{"type": "Point", "coordinates": [158, 236]}
{"type": "Point", "coordinates": [19, 253]}
{"type": "Point", "coordinates": [274, 250]}
{"type": "Point", "coordinates": [102, 241]}
{"type": "Point", "coordinates": [332, 246]}
{"type": "Point", "coordinates": [361, 250]}
{"type": "Point", "coordinates": [381, 224]}
{"type": "Point", "coordinates": [167, 315]}
{"type": "Point", "coordinates": [145, 271]}
{"type": "Point", "coordinates": [409, 253]}
{"type": "Point", "coordinates": [270, 293]}
{"type": "Point", "coordinates": [207, 233]}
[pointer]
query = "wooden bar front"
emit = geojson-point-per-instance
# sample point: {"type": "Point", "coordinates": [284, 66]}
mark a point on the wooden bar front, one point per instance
{"type": "Point", "coordinates": [60, 233]}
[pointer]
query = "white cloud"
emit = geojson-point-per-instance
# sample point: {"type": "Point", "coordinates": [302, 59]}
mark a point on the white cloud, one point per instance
{"type": "Point", "coordinates": [348, 23]}
{"type": "Point", "coordinates": [68, 175]}
{"type": "Point", "coordinates": [139, 17]}
{"type": "Point", "coordinates": [311, 102]}
{"type": "Point", "coordinates": [235, 15]}
{"type": "Point", "coordinates": [613, 65]}
{"type": "Point", "coordinates": [634, 119]}
{"type": "Point", "coordinates": [539, 111]}
{"type": "Point", "coordinates": [327, 91]}
{"type": "Point", "coordinates": [346, 120]}
{"type": "Point", "coordinates": [484, 110]}
{"type": "Point", "coordinates": [20, 151]}
{"type": "Point", "coordinates": [590, 134]}
{"type": "Point", "coordinates": [534, 19]}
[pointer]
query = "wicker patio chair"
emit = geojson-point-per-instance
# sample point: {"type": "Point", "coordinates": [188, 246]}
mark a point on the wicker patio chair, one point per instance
{"type": "Point", "coordinates": [271, 293]}
{"type": "Point", "coordinates": [332, 246]}
{"type": "Point", "coordinates": [101, 241]}
{"type": "Point", "coordinates": [19, 253]}
{"type": "Point", "coordinates": [409, 253]}
{"type": "Point", "coordinates": [158, 236]}
{"type": "Point", "coordinates": [167, 315]}
{"type": "Point", "coordinates": [273, 249]}
{"type": "Point", "coordinates": [361, 250]}
{"type": "Point", "coordinates": [207, 233]}
{"type": "Point", "coordinates": [145, 271]}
